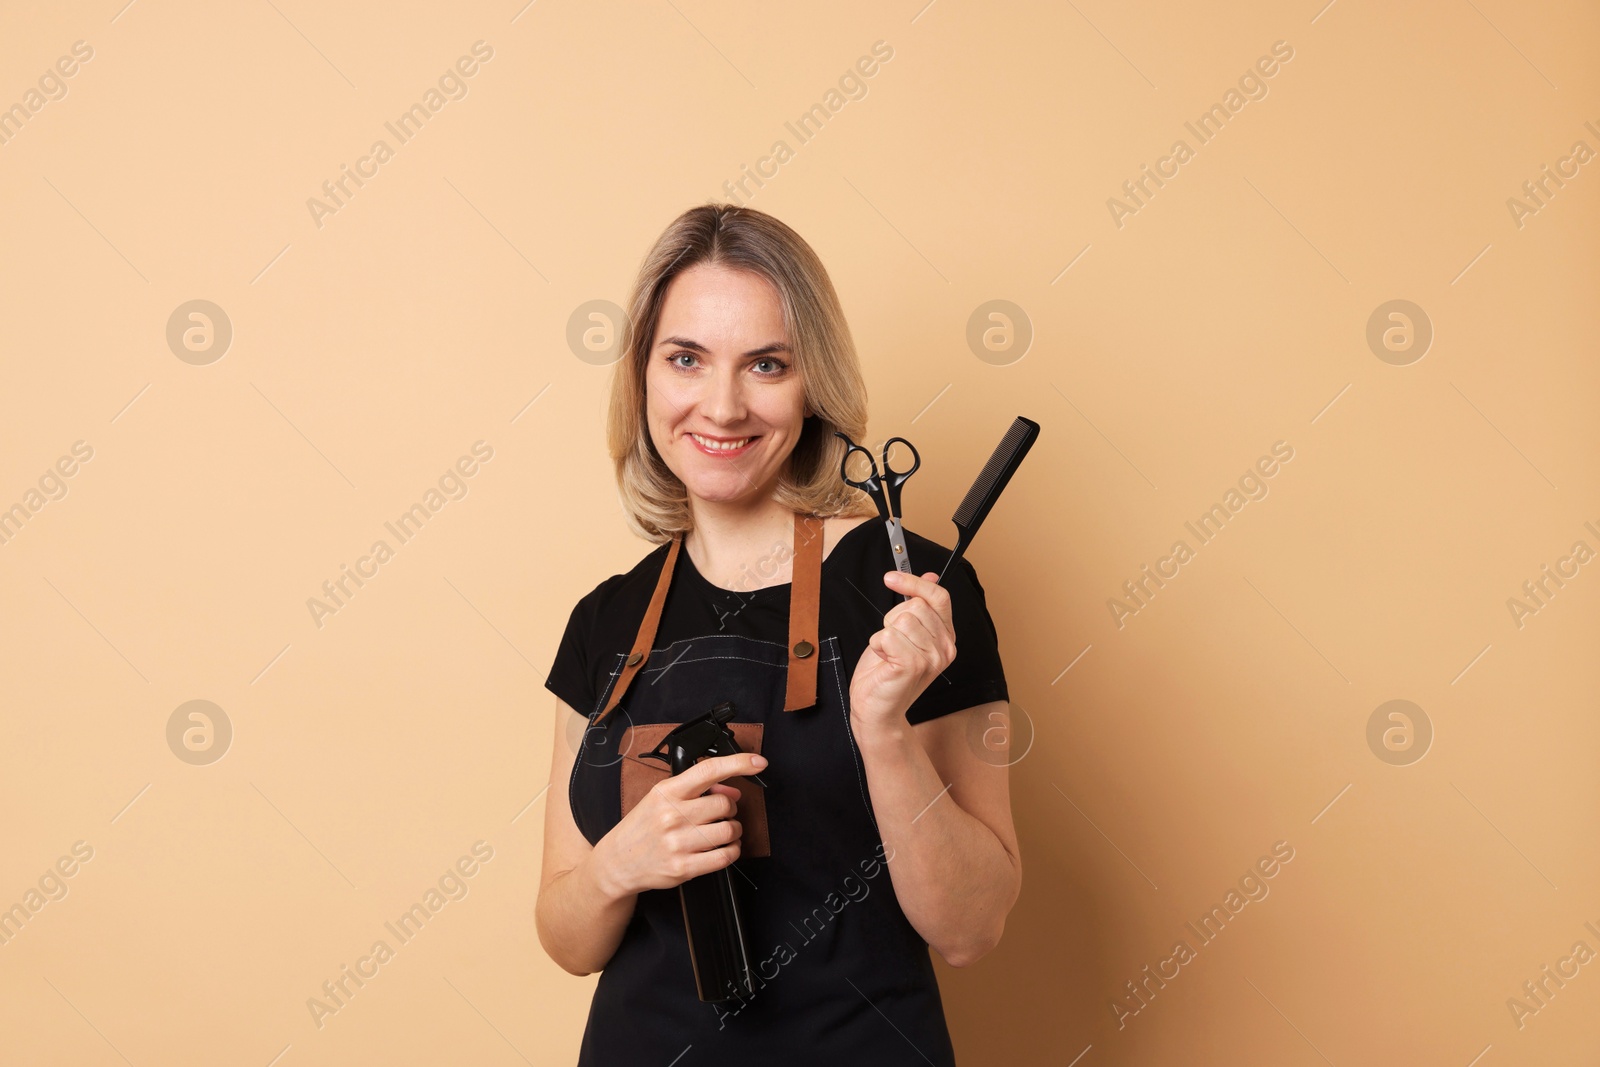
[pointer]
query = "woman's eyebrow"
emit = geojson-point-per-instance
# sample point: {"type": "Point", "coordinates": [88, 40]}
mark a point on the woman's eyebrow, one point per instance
{"type": "Point", "coordinates": [695, 346]}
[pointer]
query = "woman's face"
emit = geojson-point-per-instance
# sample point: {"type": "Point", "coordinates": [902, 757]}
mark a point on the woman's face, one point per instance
{"type": "Point", "coordinates": [722, 396]}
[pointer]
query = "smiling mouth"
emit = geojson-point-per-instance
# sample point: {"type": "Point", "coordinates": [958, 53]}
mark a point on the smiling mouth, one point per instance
{"type": "Point", "coordinates": [723, 447]}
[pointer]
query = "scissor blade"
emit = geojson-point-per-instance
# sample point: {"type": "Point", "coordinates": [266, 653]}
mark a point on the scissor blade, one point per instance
{"type": "Point", "coordinates": [897, 541]}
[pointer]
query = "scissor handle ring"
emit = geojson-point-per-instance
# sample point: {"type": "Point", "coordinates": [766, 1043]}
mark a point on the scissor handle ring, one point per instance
{"type": "Point", "coordinates": [869, 485]}
{"type": "Point", "coordinates": [900, 476]}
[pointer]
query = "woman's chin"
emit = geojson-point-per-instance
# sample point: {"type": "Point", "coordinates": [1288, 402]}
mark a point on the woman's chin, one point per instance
{"type": "Point", "coordinates": [721, 490]}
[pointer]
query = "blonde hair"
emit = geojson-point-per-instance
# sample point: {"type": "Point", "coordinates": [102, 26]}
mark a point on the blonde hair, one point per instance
{"type": "Point", "coordinates": [654, 500]}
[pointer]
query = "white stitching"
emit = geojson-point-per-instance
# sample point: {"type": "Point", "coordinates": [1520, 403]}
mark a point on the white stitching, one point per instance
{"type": "Point", "coordinates": [844, 709]}
{"type": "Point", "coordinates": [572, 778]}
{"type": "Point", "coordinates": [714, 637]}
{"type": "Point", "coordinates": [706, 659]}
{"type": "Point", "coordinates": [615, 673]}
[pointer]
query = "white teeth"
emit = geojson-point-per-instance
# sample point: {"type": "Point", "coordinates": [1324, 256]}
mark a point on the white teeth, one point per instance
{"type": "Point", "coordinates": [721, 446]}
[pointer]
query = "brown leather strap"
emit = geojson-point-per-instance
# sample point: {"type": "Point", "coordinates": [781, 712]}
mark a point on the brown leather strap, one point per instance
{"type": "Point", "coordinates": [647, 630]}
{"type": "Point", "coordinates": [805, 596]}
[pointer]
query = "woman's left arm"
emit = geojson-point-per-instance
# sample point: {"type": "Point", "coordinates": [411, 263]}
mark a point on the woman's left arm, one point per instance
{"type": "Point", "coordinates": [944, 813]}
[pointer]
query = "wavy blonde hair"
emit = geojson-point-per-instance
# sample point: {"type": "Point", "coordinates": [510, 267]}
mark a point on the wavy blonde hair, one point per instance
{"type": "Point", "coordinates": [654, 500]}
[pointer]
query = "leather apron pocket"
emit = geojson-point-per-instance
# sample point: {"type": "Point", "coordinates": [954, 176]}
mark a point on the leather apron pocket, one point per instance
{"type": "Point", "coordinates": [639, 775]}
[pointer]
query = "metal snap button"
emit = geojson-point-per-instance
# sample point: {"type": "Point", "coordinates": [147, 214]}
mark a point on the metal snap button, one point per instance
{"type": "Point", "coordinates": [634, 659]}
{"type": "Point", "coordinates": [803, 649]}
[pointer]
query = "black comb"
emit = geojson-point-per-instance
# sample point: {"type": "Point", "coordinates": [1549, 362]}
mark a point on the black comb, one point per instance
{"type": "Point", "coordinates": [991, 482]}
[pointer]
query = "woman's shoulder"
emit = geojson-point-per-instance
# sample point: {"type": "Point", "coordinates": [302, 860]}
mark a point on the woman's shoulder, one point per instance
{"type": "Point", "coordinates": [865, 544]}
{"type": "Point", "coordinates": [857, 533]}
{"type": "Point", "coordinates": [835, 527]}
{"type": "Point", "coordinates": [930, 555]}
{"type": "Point", "coordinates": [929, 547]}
{"type": "Point", "coordinates": [860, 600]}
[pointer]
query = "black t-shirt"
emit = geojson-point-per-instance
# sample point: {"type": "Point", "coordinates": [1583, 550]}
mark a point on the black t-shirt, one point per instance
{"type": "Point", "coordinates": [854, 602]}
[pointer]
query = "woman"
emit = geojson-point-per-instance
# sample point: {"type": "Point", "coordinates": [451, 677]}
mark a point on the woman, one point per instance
{"type": "Point", "coordinates": [877, 831]}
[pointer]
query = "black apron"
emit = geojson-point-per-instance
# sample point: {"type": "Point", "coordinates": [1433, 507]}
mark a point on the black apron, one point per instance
{"type": "Point", "coordinates": [842, 977]}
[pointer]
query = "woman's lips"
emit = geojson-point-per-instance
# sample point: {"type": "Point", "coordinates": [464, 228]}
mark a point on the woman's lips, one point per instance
{"type": "Point", "coordinates": [712, 447]}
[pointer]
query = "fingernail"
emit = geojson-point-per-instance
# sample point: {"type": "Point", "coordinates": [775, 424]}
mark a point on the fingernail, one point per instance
{"type": "Point", "coordinates": [759, 761]}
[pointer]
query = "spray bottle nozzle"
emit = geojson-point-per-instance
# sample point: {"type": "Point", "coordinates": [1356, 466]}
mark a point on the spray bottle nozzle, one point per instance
{"type": "Point", "coordinates": [707, 735]}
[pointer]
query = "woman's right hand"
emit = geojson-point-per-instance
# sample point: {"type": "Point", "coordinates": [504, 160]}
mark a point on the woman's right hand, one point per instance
{"type": "Point", "coordinates": [674, 833]}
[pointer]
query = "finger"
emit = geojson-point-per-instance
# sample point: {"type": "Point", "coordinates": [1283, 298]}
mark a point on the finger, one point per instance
{"type": "Point", "coordinates": [926, 587]}
{"type": "Point", "coordinates": [718, 802]}
{"type": "Point", "coordinates": [915, 630]}
{"type": "Point", "coordinates": [929, 641]}
{"type": "Point", "coordinates": [937, 615]}
{"type": "Point", "coordinates": [902, 607]}
{"type": "Point", "coordinates": [891, 639]}
{"type": "Point", "coordinates": [698, 863]}
{"type": "Point", "coordinates": [896, 647]}
{"type": "Point", "coordinates": [939, 628]}
{"type": "Point", "coordinates": [707, 809]}
{"type": "Point", "coordinates": [700, 777]}
{"type": "Point", "coordinates": [924, 612]}
{"type": "Point", "coordinates": [707, 837]}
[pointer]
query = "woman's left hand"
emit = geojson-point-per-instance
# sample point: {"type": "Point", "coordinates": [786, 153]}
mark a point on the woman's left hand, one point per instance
{"type": "Point", "coordinates": [916, 644]}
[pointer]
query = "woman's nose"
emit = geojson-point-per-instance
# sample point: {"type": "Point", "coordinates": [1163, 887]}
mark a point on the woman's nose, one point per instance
{"type": "Point", "coordinates": [723, 401]}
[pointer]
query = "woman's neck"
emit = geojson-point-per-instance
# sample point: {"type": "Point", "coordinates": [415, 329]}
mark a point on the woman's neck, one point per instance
{"type": "Point", "coordinates": [741, 547]}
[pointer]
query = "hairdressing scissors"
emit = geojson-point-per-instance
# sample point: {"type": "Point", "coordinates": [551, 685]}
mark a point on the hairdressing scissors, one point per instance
{"type": "Point", "coordinates": [884, 489]}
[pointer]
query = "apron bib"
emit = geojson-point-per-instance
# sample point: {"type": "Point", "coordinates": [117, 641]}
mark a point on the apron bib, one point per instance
{"type": "Point", "coordinates": [818, 905]}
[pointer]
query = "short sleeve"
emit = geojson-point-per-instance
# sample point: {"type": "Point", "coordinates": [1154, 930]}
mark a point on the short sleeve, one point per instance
{"type": "Point", "coordinates": [976, 676]}
{"type": "Point", "coordinates": [570, 677]}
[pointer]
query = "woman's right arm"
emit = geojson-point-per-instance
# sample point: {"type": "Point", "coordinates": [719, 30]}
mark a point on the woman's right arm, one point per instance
{"type": "Point", "coordinates": [579, 916]}
{"type": "Point", "coordinates": [674, 833]}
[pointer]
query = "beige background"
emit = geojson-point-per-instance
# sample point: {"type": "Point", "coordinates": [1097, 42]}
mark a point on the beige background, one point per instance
{"type": "Point", "coordinates": [430, 312]}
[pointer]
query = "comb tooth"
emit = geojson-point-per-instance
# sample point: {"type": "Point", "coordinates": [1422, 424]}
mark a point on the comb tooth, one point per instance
{"type": "Point", "coordinates": [991, 470]}
{"type": "Point", "coordinates": [1001, 451]}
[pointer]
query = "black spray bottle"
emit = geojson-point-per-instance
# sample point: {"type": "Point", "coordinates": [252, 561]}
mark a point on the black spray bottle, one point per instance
{"type": "Point", "coordinates": [722, 969]}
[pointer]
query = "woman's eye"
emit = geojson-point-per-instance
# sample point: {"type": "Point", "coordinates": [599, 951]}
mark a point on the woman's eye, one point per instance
{"type": "Point", "coordinates": [766, 368]}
